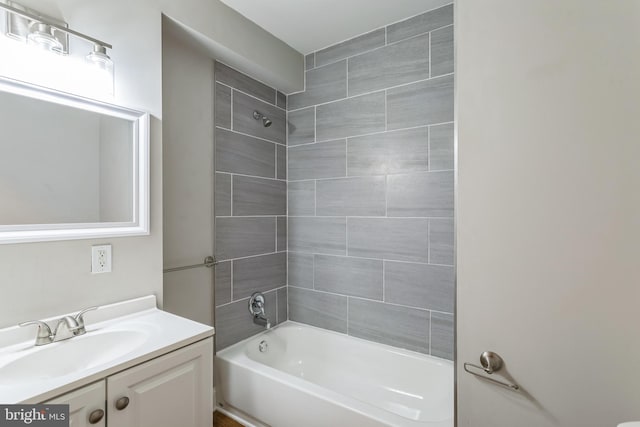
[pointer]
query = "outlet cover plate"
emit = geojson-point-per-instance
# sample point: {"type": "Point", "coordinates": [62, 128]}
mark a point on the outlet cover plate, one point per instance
{"type": "Point", "coordinates": [101, 259]}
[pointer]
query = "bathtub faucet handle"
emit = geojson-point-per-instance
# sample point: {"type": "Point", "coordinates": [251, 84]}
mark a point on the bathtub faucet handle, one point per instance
{"type": "Point", "coordinates": [256, 308]}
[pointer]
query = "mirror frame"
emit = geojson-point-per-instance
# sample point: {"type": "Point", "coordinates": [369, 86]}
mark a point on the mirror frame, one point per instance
{"type": "Point", "coordinates": [141, 197]}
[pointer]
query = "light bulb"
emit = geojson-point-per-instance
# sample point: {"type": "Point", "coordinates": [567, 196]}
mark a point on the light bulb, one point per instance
{"type": "Point", "coordinates": [41, 36]}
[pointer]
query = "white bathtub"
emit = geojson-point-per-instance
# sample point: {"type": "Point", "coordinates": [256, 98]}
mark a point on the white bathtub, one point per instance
{"type": "Point", "coordinates": [312, 377]}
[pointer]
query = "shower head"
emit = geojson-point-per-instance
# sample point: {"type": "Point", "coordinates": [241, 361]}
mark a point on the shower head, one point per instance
{"type": "Point", "coordinates": [265, 120]}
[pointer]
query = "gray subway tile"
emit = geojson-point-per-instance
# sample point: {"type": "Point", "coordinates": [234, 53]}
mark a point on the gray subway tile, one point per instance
{"type": "Point", "coordinates": [317, 235]}
{"type": "Point", "coordinates": [420, 24]}
{"type": "Point", "coordinates": [281, 100]}
{"type": "Point", "coordinates": [423, 103]}
{"type": "Point", "coordinates": [392, 65]}
{"type": "Point", "coordinates": [350, 47]}
{"type": "Point", "coordinates": [259, 274]}
{"type": "Point", "coordinates": [222, 283]}
{"type": "Point", "coordinates": [222, 111]}
{"type": "Point", "coordinates": [442, 334]}
{"type": "Point", "coordinates": [283, 311]}
{"type": "Point", "coordinates": [403, 327]}
{"type": "Point", "coordinates": [319, 309]}
{"type": "Point", "coordinates": [419, 285]}
{"type": "Point", "coordinates": [241, 237]}
{"type": "Point", "coordinates": [281, 162]}
{"type": "Point", "coordinates": [400, 151]}
{"type": "Point", "coordinates": [350, 117]}
{"type": "Point", "coordinates": [320, 160]}
{"type": "Point", "coordinates": [310, 61]}
{"type": "Point", "coordinates": [441, 147]}
{"type": "Point", "coordinates": [300, 270]}
{"type": "Point", "coordinates": [246, 84]}
{"type": "Point", "coordinates": [236, 153]}
{"type": "Point", "coordinates": [234, 323]}
{"type": "Point", "coordinates": [402, 239]}
{"type": "Point", "coordinates": [442, 51]}
{"type": "Point", "coordinates": [302, 126]}
{"type": "Point", "coordinates": [441, 241]}
{"type": "Point", "coordinates": [351, 197]}
{"type": "Point", "coordinates": [258, 196]}
{"type": "Point", "coordinates": [223, 194]}
{"type": "Point", "coordinates": [243, 120]}
{"type": "Point", "coordinates": [420, 194]}
{"type": "Point", "coordinates": [348, 276]}
{"type": "Point", "coordinates": [322, 84]}
{"type": "Point", "coordinates": [281, 225]}
{"type": "Point", "coordinates": [302, 198]}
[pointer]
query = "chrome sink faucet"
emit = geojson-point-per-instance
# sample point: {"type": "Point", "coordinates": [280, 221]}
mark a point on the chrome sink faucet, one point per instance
{"type": "Point", "coordinates": [67, 327]}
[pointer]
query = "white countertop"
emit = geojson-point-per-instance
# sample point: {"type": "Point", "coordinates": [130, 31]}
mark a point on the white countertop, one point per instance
{"type": "Point", "coordinates": [163, 332]}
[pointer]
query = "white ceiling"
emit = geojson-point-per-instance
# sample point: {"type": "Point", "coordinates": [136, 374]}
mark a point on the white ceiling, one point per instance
{"type": "Point", "coordinates": [310, 25]}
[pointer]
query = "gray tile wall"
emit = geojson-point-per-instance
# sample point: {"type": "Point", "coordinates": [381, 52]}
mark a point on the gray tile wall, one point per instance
{"type": "Point", "coordinates": [370, 187]}
{"type": "Point", "coordinates": [250, 203]}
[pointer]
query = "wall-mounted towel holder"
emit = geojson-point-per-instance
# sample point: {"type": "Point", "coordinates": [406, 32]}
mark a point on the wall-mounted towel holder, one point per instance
{"type": "Point", "coordinates": [491, 362]}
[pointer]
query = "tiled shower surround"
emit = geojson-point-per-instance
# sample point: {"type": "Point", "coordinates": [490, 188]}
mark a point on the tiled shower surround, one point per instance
{"type": "Point", "coordinates": [250, 204]}
{"type": "Point", "coordinates": [371, 187]}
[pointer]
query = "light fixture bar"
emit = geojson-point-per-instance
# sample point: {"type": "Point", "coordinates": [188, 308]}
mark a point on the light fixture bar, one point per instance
{"type": "Point", "coordinates": [58, 27]}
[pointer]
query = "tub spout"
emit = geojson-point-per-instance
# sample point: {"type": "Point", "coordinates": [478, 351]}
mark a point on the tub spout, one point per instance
{"type": "Point", "coordinates": [256, 308]}
{"type": "Point", "coordinates": [260, 319]}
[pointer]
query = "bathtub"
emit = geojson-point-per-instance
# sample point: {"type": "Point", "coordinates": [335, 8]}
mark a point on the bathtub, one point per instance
{"type": "Point", "coordinates": [297, 375]}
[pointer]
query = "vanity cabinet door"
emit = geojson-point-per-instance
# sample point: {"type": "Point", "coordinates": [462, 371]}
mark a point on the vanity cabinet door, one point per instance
{"type": "Point", "coordinates": [173, 390]}
{"type": "Point", "coordinates": [86, 405]}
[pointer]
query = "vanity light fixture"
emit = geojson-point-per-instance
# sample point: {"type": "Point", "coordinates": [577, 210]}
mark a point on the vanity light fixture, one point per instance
{"type": "Point", "coordinates": [51, 35]}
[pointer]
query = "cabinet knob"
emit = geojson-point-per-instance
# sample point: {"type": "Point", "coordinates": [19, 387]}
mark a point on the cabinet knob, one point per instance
{"type": "Point", "coordinates": [122, 403]}
{"type": "Point", "coordinates": [96, 416]}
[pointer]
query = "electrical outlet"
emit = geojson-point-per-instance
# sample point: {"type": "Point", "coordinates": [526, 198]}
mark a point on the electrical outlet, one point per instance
{"type": "Point", "coordinates": [101, 259]}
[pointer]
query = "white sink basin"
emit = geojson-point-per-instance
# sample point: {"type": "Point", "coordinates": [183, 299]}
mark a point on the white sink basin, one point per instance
{"type": "Point", "coordinates": [118, 336]}
{"type": "Point", "coordinates": [72, 355]}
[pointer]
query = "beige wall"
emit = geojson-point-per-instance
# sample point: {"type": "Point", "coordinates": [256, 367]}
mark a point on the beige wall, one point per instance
{"type": "Point", "coordinates": [548, 214]}
{"type": "Point", "coordinates": [42, 279]}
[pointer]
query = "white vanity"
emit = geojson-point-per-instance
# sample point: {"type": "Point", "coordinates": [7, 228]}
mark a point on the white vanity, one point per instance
{"type": "Point", "coordinates": [136, 366]}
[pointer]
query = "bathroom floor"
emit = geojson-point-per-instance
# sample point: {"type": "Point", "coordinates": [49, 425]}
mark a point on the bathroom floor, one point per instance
{"type": "Point", "coordinates": [221, 420]}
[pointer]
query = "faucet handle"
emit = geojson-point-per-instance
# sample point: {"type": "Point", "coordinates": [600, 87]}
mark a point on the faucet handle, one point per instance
{"type": "Point", "coordinates": [80, 319]}
{"type": "Point", "coordinates": [44, 335]}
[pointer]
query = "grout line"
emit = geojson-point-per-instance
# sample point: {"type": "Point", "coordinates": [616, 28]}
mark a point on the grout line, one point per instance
{"type": "Point", "coordinates": [251, 136]}
{"type": "Point", "coordinates": [371, 259]}
{"type": "Point", "coordinates": [231, 193]}
{"type": "Point", "coordinates": [315, 197]}
{"type": "Point", "coordinates": [369, 134]}
{"type": "Point", "coordinates": [376, 91]}
{"type": "Point", "coordinates": [250, 176]}
{"type": "Point", "coordinates": [315, 123]}
{"type": "Point", "coordinates": [362, 216]}
{"type": "Point", "coordinates": [371, 300]}
{"type": "Point", "coordinates": [313, 271]}
{"type": "Point", "coordinates": [250, 256]}
{"type": "Point", "coordinates": [419, 172]}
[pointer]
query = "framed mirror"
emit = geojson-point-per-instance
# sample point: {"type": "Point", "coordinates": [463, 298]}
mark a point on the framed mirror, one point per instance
{"type": "Point", "coordinates": [70, 167]}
